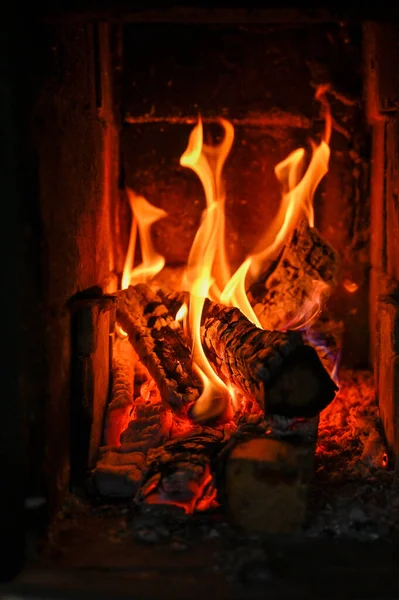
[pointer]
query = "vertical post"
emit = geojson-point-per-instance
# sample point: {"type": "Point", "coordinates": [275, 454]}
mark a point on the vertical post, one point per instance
{"type": "Point", "coordinates": [92, 322]}
{"type": "Point", "coordinates": [381, 45]}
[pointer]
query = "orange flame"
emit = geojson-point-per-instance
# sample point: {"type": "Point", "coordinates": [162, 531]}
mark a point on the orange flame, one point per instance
{"type": "Point", "coordinates": [182, 312]}
{"type": "Point", "coordinates": [207, 274]}
{"type": "Point", "coordinates": [144, 216]}
{"type": "Point", "coordinates": [297, 202]}
{"type": "Point", "coordinates": [311, 308]}
{"type": "Point", "coordinates": [207, 263]}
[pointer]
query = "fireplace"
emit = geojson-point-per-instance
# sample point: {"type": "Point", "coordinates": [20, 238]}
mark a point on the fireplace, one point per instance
{"type": "Point", "coordinates": [110, 103]}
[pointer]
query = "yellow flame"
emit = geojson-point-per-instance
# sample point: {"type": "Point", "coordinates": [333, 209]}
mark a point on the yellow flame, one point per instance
{"type": "Point", "coordinates": [120, 333]}
{"type": "Point", "coordinates": [207, 264]}
{"type": "Point", "coordinates": [297, 202]}
{"type": "Point", "coordinates": [144, 215]}
{"type": "Point", "coordinates": [182, 312]}
{"type": "Point", "coordinates": [207, 162]}
{"type": "Point", "coordinates": [208, 273]}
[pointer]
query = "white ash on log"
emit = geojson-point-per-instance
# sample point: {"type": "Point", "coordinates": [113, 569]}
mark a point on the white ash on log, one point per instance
{"type": "Point", "coordinates": [307, 265]}
{"type": "Point", "coordinates": [161, 345]}
{"type": "Point", "coordinates": [276, 369]}
{"type": "Point", "coordinates": [124, 360]}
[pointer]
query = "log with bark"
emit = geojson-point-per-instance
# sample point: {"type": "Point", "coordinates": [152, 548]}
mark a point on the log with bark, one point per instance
{"type": "Point", "coordinates": [161, 345]}
{"type": "Point", "coordinates": [308, 265]}
{"type": "Point", "coordinates": [276, 369]}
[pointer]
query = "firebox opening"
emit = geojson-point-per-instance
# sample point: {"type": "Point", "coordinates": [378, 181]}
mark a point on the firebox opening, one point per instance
{"type": "Point", "coordinates": [221, 286]}
{"type": "Point", "coordinates": [226, 198]}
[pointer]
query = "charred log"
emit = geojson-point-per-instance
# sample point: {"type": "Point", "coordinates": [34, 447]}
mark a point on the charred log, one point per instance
{"type": "Point", "coordinates": [276, 369]}
{"type": "Point", "coordinates": [160, 343]}
{"type": "Point", "coordinates": [307, 264]}
{"type": "Point", "coordinates": [180, 473]}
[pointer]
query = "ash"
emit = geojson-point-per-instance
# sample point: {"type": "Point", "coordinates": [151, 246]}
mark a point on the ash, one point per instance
{"type": "Point", "coordinates": [355, 493]}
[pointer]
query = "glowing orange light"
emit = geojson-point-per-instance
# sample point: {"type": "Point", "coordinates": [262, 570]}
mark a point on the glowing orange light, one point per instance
{"type": "Point", "coordinates": [350, 286]}
{"type": "Point", "coordinates": [207, 263]}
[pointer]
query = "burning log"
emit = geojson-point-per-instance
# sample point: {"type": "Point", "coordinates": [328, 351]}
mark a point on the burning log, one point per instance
{"type": "Point", "coordinates": [160, 344]}
{"type": "Point", "coordinates": [276, 369]}
{"type": "Point", "coordinates": [120, 469]}
{"type": "Point", "coordinates": [308, 264]}
{"type": "Point", "coordinates": [117, 418]}
{"type": "Point", "coordinates": [180, 472]}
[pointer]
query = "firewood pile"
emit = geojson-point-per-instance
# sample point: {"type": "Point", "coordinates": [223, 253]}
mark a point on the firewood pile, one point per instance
{"type": "Point", "coordinates": [254, 456]}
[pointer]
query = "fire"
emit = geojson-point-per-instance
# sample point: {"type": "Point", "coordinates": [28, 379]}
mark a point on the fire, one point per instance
{"type": "Point", "coordinates": [144, 215]}
{"type": "Point", "coordinates": [208, 274]}
{"type": "Point", "coordinates": [182, 312]}
{"type": "Point", "coordinates": [207, 265]}
{"type": "Point", "coordinates": [297, 202]}
{"type": "Point", "coordinates": [350, 286]}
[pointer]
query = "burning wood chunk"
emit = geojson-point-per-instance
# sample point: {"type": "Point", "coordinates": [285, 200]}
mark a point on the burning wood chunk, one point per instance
{"type": "Point", "coordinates": [266, 483]}
{"type": "Point", "coordinates": [118, 412]}
{"type": "Point", "coordinates": [307, 267]}
{"type": "Point", "coordinates": [151, 421]}
{"type": "Point", "coordinates": [180, 473]}
{"type": "Point", "coordinates": [160, 344]}
{"type": "Point", "coordinates": [276, 369]}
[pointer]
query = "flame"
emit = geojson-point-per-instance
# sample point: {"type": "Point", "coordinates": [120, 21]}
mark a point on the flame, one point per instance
{"type": "Point", "coordinates": [182, 312]}
{"type": "Point", "coordinates": [207, 265]}
{"type": "Point", "coordinates": [144, 216]}
{"type": "Point", "coordinates": [312, 307]}
{"type": "Point", "coordinates": [207, 274]}
{"type": "Point", "coordinates": [120, 333]}
{"type": "Point", "coordinates": [297, 202]}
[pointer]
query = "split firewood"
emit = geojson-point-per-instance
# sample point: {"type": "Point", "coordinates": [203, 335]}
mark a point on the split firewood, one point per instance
{"type": "Point", "coordinates": [308, 265]}
{"type": "Point", "coordinates": [180, 473]}
{"type": "Point", "coordinates": [118, 412]}
{"type": "Point", "coordinates": [161, 345]}
{"type": "Point", "coordinates": [267, 484]}
{"type": "Point", "coordinates": [276, 369]}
